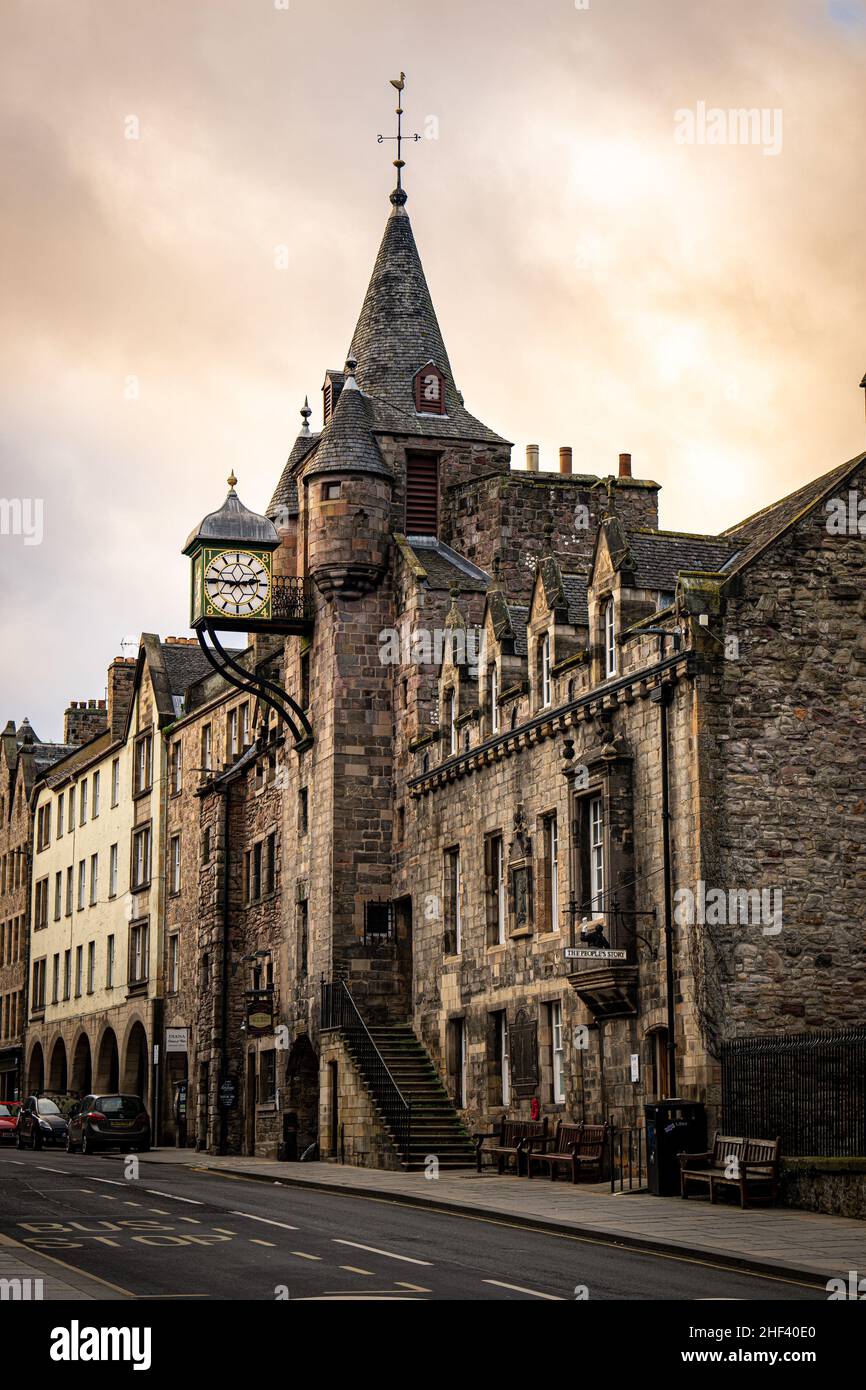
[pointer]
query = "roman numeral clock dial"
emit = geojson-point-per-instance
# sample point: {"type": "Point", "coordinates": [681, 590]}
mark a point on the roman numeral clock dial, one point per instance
{"type": "Point", "coordinates": [237, 584]}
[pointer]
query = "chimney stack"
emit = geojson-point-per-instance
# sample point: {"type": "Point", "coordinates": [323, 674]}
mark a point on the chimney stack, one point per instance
{"type": "Point", "coordinates": [121, 675]}
{"type": "Point", "coordinates": [532, 458]}
{"type": "Point", "coordinates": [625, 465]}
{"type": "Point", "coordinates": [83, 720]}
{"type": "Point", "coordinates": [565, 458]}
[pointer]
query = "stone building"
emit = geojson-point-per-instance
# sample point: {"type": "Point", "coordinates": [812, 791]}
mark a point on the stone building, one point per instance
{"type": "Point", "coordinates": [23, 759]}
{"type": "Point", "coordinates": [583, 806]}
{"type": "Point", "coordinates": [101, 868]}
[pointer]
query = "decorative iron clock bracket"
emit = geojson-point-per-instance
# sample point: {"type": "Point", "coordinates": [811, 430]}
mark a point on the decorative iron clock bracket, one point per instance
{"type": "Point", "coordinates": [267, 692]}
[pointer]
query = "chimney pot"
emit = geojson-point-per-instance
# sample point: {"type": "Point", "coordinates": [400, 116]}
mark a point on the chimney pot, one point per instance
{"type": "Point", "coordinates": [532, 458]}
{"type": "Point", "coordinates": [625, 465]}
{"type": "Point", "coordinates": [565, 459]}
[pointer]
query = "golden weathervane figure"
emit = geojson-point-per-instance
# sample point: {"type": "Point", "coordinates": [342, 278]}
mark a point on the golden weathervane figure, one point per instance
{"type": "Point", "coordinates": [399, 83]}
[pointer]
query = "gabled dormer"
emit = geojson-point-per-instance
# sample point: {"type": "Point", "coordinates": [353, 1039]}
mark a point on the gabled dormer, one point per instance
{"type": "Point", "coordinates": [458, 682]}
{"type": "Point", "coordinates": [502, 667]}
{"type": "Point", "coordinates": [429, 384]}
{"type": "Point", "coordinates": [331, 388]}
{"type": "Point", "coordinates": [557, 633]}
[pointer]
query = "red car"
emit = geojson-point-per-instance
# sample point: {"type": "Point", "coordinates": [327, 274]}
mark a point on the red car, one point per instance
{"type": "Point", "coordinates": [8, 1119]}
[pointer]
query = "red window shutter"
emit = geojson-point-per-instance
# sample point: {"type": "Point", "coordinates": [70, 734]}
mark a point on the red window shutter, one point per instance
{"type": "Point", "coordinates": [422, 494]}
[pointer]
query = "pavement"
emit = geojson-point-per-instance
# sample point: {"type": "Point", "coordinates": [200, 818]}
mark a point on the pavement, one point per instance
{"type": "Point", "coordinates": [765, 1240]}
{"type": "Point", "coordinates": [29, 1276]}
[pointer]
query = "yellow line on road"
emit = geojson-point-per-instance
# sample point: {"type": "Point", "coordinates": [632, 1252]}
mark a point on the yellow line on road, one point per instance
{"type": "Point", "coordinates": [302, 1255]}
{"type": "Point", "coordinates": [352, 1270]}
{"type": "Point", "coordinates": [268, 1243]}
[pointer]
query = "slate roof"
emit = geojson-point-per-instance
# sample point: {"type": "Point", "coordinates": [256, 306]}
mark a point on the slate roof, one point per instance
{"type": "Point", "coordinates": [574, 588]}
{"type": "Point", "coordinates": [233, 524]}
{"type": "Point", "coordinates": [397, 333]}
{"type": "Point", "coordinates": [762, 528]}
{"type": "Point", "coordinates": [658, 557]}
{"type": "Point", "coordinates": [285, 498]}
{"type": "Point", "coordinates": [184, 665]}
{"type": "Point", "coordinates": [444, 568]}
{"type": "Point", "coordinates": [347, 443]}
{"type": "Point", "coordinates": [519, 615]}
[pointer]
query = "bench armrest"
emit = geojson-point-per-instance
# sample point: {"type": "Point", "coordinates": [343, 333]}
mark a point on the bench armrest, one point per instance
{"type": "Point", "coordinates": [699, 1160]}
{"type": "Point", "coordinates": [479, 1139]}
{"type": "Point", "coordinates": [536, 1143]}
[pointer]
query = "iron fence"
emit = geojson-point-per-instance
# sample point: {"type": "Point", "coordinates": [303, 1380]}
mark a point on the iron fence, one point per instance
{"type": "Point", "coordinates": [808, 1088]}
{"type": "Point", "coordinates": [627, 1155]}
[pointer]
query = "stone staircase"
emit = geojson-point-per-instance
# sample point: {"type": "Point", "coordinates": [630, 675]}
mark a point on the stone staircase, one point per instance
{"type": "Point", "coordinates": [436, 1127]}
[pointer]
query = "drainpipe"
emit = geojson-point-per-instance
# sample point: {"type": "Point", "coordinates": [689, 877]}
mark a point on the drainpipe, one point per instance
{"type": "Point", "coordinates": [224, 981]}
{"type": "Point", "coordinates": [662, 696]}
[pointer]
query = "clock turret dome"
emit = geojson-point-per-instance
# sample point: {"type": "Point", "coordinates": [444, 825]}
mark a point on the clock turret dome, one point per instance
{"type": "Point", "coordinates": [233, 525]}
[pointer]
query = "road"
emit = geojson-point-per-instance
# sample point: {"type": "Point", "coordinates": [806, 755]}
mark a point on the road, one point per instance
{"type": "Point", "coordinates": [179, 1233]}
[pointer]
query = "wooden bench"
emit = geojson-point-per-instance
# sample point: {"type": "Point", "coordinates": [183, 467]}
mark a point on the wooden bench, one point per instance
{"type": "Point", "coordinates": [511, 1139]}
{"type": "Point", "coordinates": [560, 1148]}
{"type": "Point", "coordinates": [750, 1165]}
{"type": "Point", "coordinates": [579, 1147]}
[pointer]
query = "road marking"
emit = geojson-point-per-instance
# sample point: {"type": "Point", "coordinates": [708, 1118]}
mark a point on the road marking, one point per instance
{"type": "Point", "coordinates": [106, 1197]}
{"type": "Point", "coordinates": [158, 1211]}
{"type": "Point", "coordinates": [268, 1243]}
{"type": "Point", "coordinates": [302, 1255]}
{"type": "Point", "coordinates": [414, 1288]}
{"type": "Point", "coordinates": [517, 1288]}
{"type": "Point", "coordinates": [74, 1269]}
{"type": "Point", "coordinates": [132, 1204]}
{"type": "Point", "coordinates": [192, 1220]}
{"type": "Point", "coordinates": [353, 1270]}
{"type": "Point", "coordinates": [88, 1190]}
{"type": "Point", "coordinates": [264, 1219]}
{"type": "Point", "coordinates": [221, 1231]}
{"type": "Point", "coordinates": [113, 1182]}
{"type": "Point", "coordinates": [42, 1168]}
{"type": "Point", "coordinates": [389, 1254]}
{"type": "Point", "coordinates": [152, 1192]}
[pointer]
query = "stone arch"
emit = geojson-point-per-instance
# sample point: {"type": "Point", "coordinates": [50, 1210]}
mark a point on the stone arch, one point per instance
{"type": "Point", "coordinates": [135, 1070]}
{"type": "Point", "coordinates": [82, 1066]}
{"type": "Point", "coordinates": [107, 1077]}
{"type": "Point", "coordinates": [57, 1069]}
{"type": "Point", "coordinates": [35, 1070]}
{"type": "Point", "coordinates": [302, 1090]}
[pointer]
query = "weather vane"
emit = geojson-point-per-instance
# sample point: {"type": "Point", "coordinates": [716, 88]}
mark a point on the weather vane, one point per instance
{"type": "Point", "coordinates": [399, 83]}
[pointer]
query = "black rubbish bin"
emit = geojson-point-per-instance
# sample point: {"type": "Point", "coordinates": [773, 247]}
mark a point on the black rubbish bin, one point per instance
{"type": "Point", "coordinates": [673, 1127]}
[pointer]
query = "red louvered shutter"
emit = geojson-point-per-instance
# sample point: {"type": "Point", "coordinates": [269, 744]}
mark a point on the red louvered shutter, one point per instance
{"type": "Point", "coordinates": [422, 494]}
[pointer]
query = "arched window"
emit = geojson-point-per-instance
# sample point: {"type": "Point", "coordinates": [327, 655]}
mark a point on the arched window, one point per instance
{"type": "Point", "coordinates": [609, 639]}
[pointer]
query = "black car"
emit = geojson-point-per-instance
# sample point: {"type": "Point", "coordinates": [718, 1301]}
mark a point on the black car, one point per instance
{"type": "Point", "coordinates": [100, 1121]}
{"type": "Point", "coordinates": [40, 1122]}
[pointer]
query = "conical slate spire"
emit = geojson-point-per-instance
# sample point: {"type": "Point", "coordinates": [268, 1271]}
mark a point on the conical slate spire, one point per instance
{"type": "Point", "coordinates": [397, 333]}
{"type": "Point", "coordinates": [347, 443]}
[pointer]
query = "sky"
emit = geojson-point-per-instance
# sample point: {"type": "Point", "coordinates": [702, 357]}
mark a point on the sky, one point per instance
{"type": "Point", "coordinates": [193, 196]}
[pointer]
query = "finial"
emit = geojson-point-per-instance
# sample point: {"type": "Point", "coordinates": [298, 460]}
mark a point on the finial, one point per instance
{"type": "Point", "coordinates": [306, 412]}
{"type": "Point", "coordinates": [454, 617]}
{"type": "Point", "coordinates": [350, 384]}
{"type": "Point", "coordinates": [231, 480]}
{"type": "Point", "coordinates": [398, 197]}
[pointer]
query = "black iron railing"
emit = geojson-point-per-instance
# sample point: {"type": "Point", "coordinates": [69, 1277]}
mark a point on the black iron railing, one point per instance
{"type": "Point", "coordinates": [339, 1010]}
{"type": "Point", "coordinates": [627, 1153]}
{"type": "Point", "coordinates": [293, 599]}
{"type": "Point", "coordinates": [809, 1088]}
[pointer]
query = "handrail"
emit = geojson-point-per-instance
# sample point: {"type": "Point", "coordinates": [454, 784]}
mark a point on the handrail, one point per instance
{"type": "Point", "coordinates": [339, 1010]}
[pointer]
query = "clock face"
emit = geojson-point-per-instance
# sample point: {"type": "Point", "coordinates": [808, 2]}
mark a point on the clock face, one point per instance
{"type": "Point", "coordinates": [237, 583]}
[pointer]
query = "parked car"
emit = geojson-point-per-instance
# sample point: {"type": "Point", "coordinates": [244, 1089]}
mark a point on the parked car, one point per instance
{"type": "Point", "coordinates": [40, 1121]}
{"type": "Point", "coordinates": [8, 1119]}
{"type": "Point", "coordinates": [102, 1121]}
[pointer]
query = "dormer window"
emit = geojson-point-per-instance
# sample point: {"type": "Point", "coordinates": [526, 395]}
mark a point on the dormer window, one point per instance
{"type": "Point", "coordinates": [430, 390]}
{"type": "Point", "coordinates": [609, 639]}
{"type": "Point", "coordinates": [545, 692]}
{"type": "Point", "coordinates": [451, 721]}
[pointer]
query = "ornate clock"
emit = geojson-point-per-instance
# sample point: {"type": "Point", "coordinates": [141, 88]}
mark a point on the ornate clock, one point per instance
{"type": "Point", "coordinates": [234, 589]}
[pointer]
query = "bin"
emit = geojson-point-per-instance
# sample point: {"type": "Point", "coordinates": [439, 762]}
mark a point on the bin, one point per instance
{"type": "Point", "coordinates": [672, 1127]}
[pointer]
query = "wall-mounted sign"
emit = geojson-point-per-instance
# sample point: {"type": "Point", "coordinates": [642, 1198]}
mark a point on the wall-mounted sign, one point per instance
{"type": "Point", "coordinates": [228, 1093]}
{"type": "Point", "coordinates": [260, 1012]}
{"type": "Point", "coordinates": [177, 1039]}
{"type": "Point", "coordinates": [635, 1066]}
{"type": "Point", "coordinates": [586, 953]}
